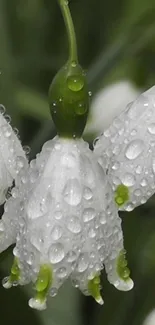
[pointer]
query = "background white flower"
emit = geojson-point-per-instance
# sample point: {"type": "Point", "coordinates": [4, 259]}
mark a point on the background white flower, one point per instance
{"type": "Point", "coordinates": [150, 319]}
{"type": "Point", "coordinates": [127, 151]}
{"type": "Point", "coordinates": [107, 104]}
{"type": "Point", "coordinates": [10, 151]}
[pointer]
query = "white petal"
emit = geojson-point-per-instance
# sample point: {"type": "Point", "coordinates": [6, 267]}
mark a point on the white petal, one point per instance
{"type": "Point", "coordinates": [150, 319]}
{"type": "Point", "coordinates": [108, 103]}
{"type": "Point", "coordinates": [10, 150]}
{"type": "Point", "coordinates": [126, 150]}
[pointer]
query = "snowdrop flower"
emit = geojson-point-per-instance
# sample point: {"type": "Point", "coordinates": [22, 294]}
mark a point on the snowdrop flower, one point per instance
{"type": "Point", "coordinates": [10, 151]}
{"type": "Point", "coordinates": [62, 216]}
{"type": "Point", "coordinates": [65, 224]}
{"type": "Point", "coordinates": [127, 150]}
{"type": "Point", "coordinates": [109, 103]}
{"type": "Point", "coordinates": [150, 319]}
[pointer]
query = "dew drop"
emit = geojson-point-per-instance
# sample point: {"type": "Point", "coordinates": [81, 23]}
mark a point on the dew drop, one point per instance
{"type": "Point", "coordinates": [87, 194]}
{"type": "Point", "coordinates": [72, 192]}
{"type": "Point", "coordinates": [82, 263]}
{"type": "Point", "coordinates": [62, 272]}
{"type": "Point", "coordinates": [128, 179]}
{"type": "Point", "coordinates": [53, 292]}
{"type": "Point", "coordinates": [81, 108]}
{"type": "Point", "coordinates": [151, 128]}
{"type": "Point", "coordinates": [74, 64]}
{"type": "Point", "coordinates": [6, 129]}
{"type": "Point", "coordinates": [56, 253]}
{"type": "Point", "coordinates": [56, 233]}
{"type": "Point", "coordinates": [8, 118]}
{"type": "Point", "coordinates": [26, 149]}
{"type": "Point", "coordinates": [75, 83]}
{"type": "Point", "coordinates": [74, 225]}
{"type": "Point", "coordinates": [58, 215]}
{"type": "Point", "coordinates": [134, 149]}
{"type": "Point", "coordinates": [71, 256]}
{"type": "Point", "coordinates": [88, 214]}
{"type": "Point", "coordinates": [2, 109]}
{"type": "Point", "coordinates": [137, 192]}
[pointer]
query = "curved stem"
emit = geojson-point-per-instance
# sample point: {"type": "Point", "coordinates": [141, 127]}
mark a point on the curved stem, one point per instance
{"type": "Point", "coordinates": [70, 29]}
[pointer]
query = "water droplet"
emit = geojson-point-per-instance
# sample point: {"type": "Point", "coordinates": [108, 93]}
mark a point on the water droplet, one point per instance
{"type": "Point", "coordinates": [8, 118]}
{"type": "Point", "coordinates": [58, 215]}
{"type": "Point", "coordinates": [82, 263]}
{"type": "Point", "coordinates": [6, 283]}
{"type": "Point", "coordinates": [129, 207]}
{"type": "Point", "coordinates": [2, 228]}
{"type": "Point", "coordinates": [134, 149]}
{"type": "Point", "coordinates": [53, 292]}
{"type": "Point", "coordinates": [26, 149]}
{"type": "Point", "coordinates": [6, 129]}
{"type": "Point", "coordinates": [81, 108]}
{"type": "Point", "coordinates": [74, 64]}
{"type": "Point", "coordinates": [62, 272]}
{"type": "Point", "coordinates": [14, 193]}
{"type": "Point", "coordinates": [137, 192]}
{"type": "Point", "coordinates": [151, 128]}
{"type": "Point", "coordinates": [16, 131]}
{"type": "Point", "coordinates": [128, 179]}
{"type": "Point", "coordinates": [68, 160]}
{"type": "Point", "coordinates": [75, 83]}
{"type": "Point", "coordinates": [102, 218]}
{"type": "Point", "coordinates": [20, 162]}
{"type": "Point", "coordinates": [72, 192]}
{"type": "Point", "coordinates": [91, 233]}
{"type": "Point", "coordinates": [74, 225]}
{"type": "Point", "coordinates": [75, 283]}
{"type": "Point", "coordinates": [71, 256]}
{"type": "Point", "coordinates": [2, 109]}
{"type": "Point", "coordinates": [56, 253]}
{"type": "Point", "coordinates": [139, 169]}
{"type": "Point", "coordinates": [116, 165]}
{"type": "Point", "coordinates": [56, 233]}
{"type": "Point", "coordinates": [143, 182]}
{"type": "Point", "coordinates": [87, 194]}
{"type": "Point", "coordinates": [88, 214]}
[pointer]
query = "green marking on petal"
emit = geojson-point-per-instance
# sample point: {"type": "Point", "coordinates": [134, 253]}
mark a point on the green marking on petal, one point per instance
{"type": "Point", "coordinates": [43, 282]}
{"type": "Point", "coordinates": [121, 194]}
{"type": "Point", "coordinates": [122, 269]}
{"type": "Point", "coordinates": [94, 289]}
{"type": "Point", "coordinates": [15, 272]}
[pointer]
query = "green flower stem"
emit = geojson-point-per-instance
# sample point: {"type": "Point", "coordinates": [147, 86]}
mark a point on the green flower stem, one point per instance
{"type": "Point", "coordinates": [70, 30]}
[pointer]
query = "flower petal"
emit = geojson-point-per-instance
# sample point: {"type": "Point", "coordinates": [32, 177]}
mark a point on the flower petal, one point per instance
{"type": "Point", "coordinates": [126, 151]}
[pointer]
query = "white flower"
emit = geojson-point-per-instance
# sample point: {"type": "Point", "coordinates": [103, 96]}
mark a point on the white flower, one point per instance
{"type": "Point", "coordinates": [108, 103]}
{"type": "Point", "coordinates": [127, 151]}
{"type": "Point", "coordinates": [64, 222]}
{"type": "Point", "coordinates": [150, 319]}
{"type": "Point", "coordinates": [10, 151]}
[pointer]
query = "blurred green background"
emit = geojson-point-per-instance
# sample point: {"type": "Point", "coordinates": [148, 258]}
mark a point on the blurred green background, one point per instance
{"type": "Point", "coordinates": [116, 40]}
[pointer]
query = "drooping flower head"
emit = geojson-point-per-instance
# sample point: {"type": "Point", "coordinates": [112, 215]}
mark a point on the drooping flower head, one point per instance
{"type": "Point", "coordinates": [62, 216]}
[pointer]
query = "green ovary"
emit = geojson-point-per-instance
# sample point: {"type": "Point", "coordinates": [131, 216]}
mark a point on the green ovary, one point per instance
{"type": "Point", "coordinates": [122, 269]}
{"type": "Point", "coordinates": [121, 194]}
